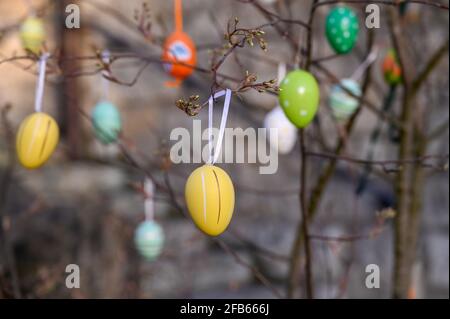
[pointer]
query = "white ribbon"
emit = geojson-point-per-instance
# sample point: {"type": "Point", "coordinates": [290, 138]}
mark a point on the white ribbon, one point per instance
{"type": "Point", "coordinates": [369, 60]}
{"type": "Point", "coordinates": [281, 72]}
{"type": "Point", "coordinates": [41, 82]}
{"type": "Point", "coordinates": [214, 155]}
{"type": "Point", "coordinates": [106, 57]}
{"type": "Point", "coordinates": [149, 199]}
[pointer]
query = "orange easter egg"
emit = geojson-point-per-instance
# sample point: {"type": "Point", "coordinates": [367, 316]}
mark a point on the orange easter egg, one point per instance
{"type": "Point", "coordinates": [391, 68]}
{"type": "Point", "coordinates": [180, 55]}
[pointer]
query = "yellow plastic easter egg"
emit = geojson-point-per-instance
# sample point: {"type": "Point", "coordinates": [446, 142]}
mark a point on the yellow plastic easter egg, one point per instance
{"type": "Point", "coordinates": [210, 199]}
{"type": "Point", "coordinates": [32, 34]}
{"type": "Point", "coordinates": [36, 140]}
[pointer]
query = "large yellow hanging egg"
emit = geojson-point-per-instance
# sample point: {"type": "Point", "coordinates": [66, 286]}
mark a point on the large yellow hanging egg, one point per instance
{"type": "Point", "coordinates": [32, 34]}
{"type": "Point", "coordinates": [36, 140]}
{"type": "Point", "coordinates": [210, 199]}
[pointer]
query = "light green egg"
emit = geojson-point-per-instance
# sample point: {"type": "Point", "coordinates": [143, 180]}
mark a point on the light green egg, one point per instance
{"type": "Point", "coordinates": [299, 97]}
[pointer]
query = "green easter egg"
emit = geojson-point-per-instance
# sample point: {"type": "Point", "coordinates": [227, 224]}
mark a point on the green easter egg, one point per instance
{"type": "Point", "coordinates": [342, 28]}
{"type": "Point", "coordinates": [149, 239]}
{"type": "Point", "coordinates": [299, 97]}
{"type": "Point", "coordinates": [107, 122]}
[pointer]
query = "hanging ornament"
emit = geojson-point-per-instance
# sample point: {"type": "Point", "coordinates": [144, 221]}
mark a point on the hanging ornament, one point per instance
{"type": "Point", "coordinates": [276, 119]}
{"type": "Point", "coordinates": [107, 122]}
{"type": "Point", "coordinates": [149, 239]}
{"type": "Point", "coordinates": [32, 34]}
{"type": "Point", "coordinates": [36, 140]}
{"type": "Point", "coordinates": [38, 134]}
{"type": "Point", "coordinates": [106, 118]}
{"type": "Point", "coordinates": [179, 52]}
{"type": "Point", "coordinates": [344, 104]}
{"type": "Point", "coordinates": [287, 133]}
{"type": "Point", "coordinates": [389, 64]}
{"type": "Point", "coordinates": [342, 28]}
{"type": "Point", "coordinates": [149, 236]}
{"type": "Point", "coordinates": [299, 97]}
{"type": "Point", "coordinates": [391, 68]}
{"type": "Point", "coordinates": [392, 72]}
{"type": "Point", "coordinates": [209, 190]}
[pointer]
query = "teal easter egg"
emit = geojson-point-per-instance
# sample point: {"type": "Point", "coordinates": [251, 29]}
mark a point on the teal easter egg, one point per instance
{"type": "Point", "coordinates": [342, 29]}
{"type": "Point", "coordinates": [299, 97]}
{"type": "Point", "coordinates": [107, 122]}
{"type": "Point", "coordinates": [342, 103]}
{"type": "Point", "coordinates": [149, 240]}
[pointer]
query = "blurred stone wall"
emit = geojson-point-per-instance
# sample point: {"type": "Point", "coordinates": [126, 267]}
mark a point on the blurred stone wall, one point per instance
{"type": "Point", "coordinates": [85, 212]}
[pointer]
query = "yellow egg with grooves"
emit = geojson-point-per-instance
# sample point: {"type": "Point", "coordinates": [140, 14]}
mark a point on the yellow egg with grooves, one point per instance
{"type": "Point", "coordinates": [36, 140]}
{"type": "Point", "coordinates": [210, 199]}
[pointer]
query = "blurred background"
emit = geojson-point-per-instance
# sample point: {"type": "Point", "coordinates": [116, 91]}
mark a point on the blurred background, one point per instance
{"type": "Point", "coordinates": [84, 205]}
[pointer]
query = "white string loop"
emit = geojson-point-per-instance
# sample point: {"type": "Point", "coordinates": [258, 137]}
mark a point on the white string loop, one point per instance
{"type": "Point", "coordinates": [149, 203]}
{"type": "Point", "coordinates": [281, 72]}
{"type": "Point", "coordinates": [214, 154]}
{"type": "Point", "coordinates": [41, 82]}
{"type": "Point", "coordinates": [106, 57]}
{"type": "Point", "coordinates": [363, 67]}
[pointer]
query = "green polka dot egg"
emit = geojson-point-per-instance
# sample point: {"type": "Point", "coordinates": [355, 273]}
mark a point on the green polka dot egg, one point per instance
{"type": "Point", "coordinates": [342, 103]}
{"type": "Point", "coordinates": [149, 240]}
{"type": "Point", "coordinates": [342, 29]}
{"type": "Point", "coordinates": [299, 97]}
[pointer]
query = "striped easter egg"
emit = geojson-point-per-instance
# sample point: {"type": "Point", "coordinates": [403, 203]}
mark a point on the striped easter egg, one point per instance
{"type": "Point", "coordinates": [149, 240]}
{"type": "Point", "coordinates": [210, 198]}
{"type": "Point", "coordinates": [342, 103]}
{"type": "Point", "coordinates": [36, 140]}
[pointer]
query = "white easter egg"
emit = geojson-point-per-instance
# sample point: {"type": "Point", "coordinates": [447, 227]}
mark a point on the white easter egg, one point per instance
{"type": "Point", "coordinates": [287, 132]}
